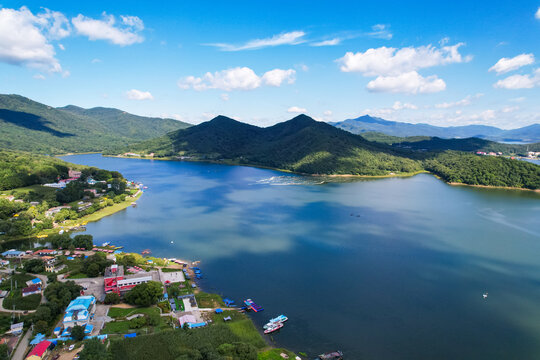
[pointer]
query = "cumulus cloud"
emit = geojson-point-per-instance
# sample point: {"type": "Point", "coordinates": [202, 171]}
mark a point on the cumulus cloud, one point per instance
{"type": "Point", "coordinates": [124, 33]}
{"type": "Point", "coordinates": [135, 94]}
{"type": "Point", "coordinates": [537, 15]}
{"type": "Point", "coordinates": [388, 61]}
{"type": "Point", "coordinates": [296, 110]}
{"type": "Point", "coordinates": [515, 82]}
{"type": "Point", "coordinates": [408, 83]}
{"type": "Point", "coordinates": [398, 105]}
{"type": "Point", "coordinates": [463, 102]}
{"type": "Point", "coordinates": [288, 38]}
{"type": "Point", "coordinates": [39, 77]}
{"type": "Point", "coordinates": [277, 76]}
{"type": "Point", "coordinates": [25, 38]}
{"type": "Point", "coordinates": [505, 65]}
{"type": "Point", "coordinates": [239, 78]}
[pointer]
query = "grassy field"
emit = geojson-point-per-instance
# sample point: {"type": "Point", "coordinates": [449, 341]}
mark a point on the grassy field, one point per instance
{"type": "Point", "coordinates": [19, 281]}
{"type": "Point", "coordinates": [15, 301]}
{"type": "Point", "coordinates": [116, 313]}
{"type": "Point", "coordinates": [242, 326]}
{"type": "Point", "coordinates": [274, 354]}
{"type": "Point", "coordinates": [116, 327]}
{"type": "Point", "coordinates": [205, 300]}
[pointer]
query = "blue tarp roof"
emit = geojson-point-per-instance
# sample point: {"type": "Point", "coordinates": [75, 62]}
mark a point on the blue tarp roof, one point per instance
{"type": "Point", "coordinates": [70, 258]}
{"type": "Point", "coordinates": [191, 326]}
{"type": "Point", "coordinates": [132, 335]}
{"type": "Point", "coordinates": [39, 338]}
{"type": "Point", "coordinates": [88, 328]}
{"type": "Point", "coordinates": [81, 303]}
{"type": "Point", "coordinates": [36, 281]}
{"type": "Point", "coordinates": [219, 311]}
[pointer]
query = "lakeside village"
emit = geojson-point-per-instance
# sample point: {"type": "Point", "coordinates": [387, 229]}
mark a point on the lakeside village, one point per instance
{"type": "Point", "coordinates": [532, 155]}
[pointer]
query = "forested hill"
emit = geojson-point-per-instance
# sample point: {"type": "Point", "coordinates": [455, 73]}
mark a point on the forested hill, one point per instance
{"type": "Point", "coordinates": [31, 126]}
{"type": "Point", "coordinates": [307, 146]}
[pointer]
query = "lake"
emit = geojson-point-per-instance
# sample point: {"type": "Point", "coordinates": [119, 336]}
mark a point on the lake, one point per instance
{"type": "Point", "coordinates": [381, 269]}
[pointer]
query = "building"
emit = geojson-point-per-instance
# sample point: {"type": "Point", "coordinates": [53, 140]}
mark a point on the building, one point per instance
{"type": "Point", "coordinates": [17, 329]}
{"type": "Point", "coordinates": [54, 269]}
{"type": "Point", "coordinates": [40, 350]}
{"type": "Point", "coordinates": [74, 174]}
{"type": "Point", "coordinates": [45, 252]}
{"type": "Point", "coordinates": [13, 254]}
{"type": "Point", "coordinates": [4, 262]}
{"type": "Point", "coordinates": [56, 185]}
{"type": "Point", "coordinates": [56, 210]}
{"type": "Point", "coordinates": [36, 281]}
{"type": "Point", "coordinates": [116, 281]}
{"type": "Point", "coordinates": [79, 311]}
{"type": "Point", "coordinates": [31, 290]}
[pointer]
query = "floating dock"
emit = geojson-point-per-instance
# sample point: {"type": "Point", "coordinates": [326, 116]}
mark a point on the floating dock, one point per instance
{"type": "Point", "coordinates": [250, 304]}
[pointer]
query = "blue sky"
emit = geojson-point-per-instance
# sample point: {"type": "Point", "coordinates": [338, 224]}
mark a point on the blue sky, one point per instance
{"type": "Point", "coordinates": [443, 63]}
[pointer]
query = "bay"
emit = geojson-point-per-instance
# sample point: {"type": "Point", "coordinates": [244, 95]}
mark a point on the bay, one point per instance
{"type": "Point", "coordinates": [381, 269]}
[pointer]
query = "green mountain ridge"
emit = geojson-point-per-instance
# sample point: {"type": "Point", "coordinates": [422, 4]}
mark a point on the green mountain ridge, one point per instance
{"type": "Point", "coordinates": [28, 125]}
{"type": "Point", "coordinates": [304, 145]}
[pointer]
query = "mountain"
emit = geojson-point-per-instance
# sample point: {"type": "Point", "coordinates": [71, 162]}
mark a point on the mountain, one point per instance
{"type": "Point", "coordinates": [304, 145]}
{"type": "Point", "coordinates": [367, 123]}
{"type": "Point", "coordinates": [31, 126]}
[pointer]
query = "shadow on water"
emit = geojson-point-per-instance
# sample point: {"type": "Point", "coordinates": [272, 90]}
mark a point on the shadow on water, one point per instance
{"type": "Point", "coordinates": [30, 122]}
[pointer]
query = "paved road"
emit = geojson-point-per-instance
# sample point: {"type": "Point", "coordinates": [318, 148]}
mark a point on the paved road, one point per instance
{"type": "Point", "coordinates": [21, 349]}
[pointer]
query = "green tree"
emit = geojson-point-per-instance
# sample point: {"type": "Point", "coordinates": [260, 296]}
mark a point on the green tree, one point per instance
{"type": "Point", "coordinates": [112, 298]}
{"type": "Point", "coordinates": [94, 349]}
{"type": "Point", "coordinates": [35, 266]}
{"type": "Point", "coordinates": [77, 333]}
{"type": "Point", "coordinates": [145, 294]}
{"type": "Point", "coordinates": [41, 327]}
{"type": "Point", "coordinates": [4, 352]}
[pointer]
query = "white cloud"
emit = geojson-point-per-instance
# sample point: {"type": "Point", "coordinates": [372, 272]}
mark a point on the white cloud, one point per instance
{"type": "Point", "coordinates": [296, 109]}
{"type": "Point", "coordinates": [537, 15]}
{"type": "Point", "coordinates": [388, 61]}
{"type": "Point", "coordinates": [122, 34]}
{"type": "Point", "coordinates": [224, 97]}
{"type": "Point", "coordinates": [277, 76]}
{"type": "Point", "coordinates": [398, 105]}
{"type": "Point", "coordinates": [505, 65]}
{"type": "Point", "coordinates": [288, 38]}
{"type": "Point", "coordinates": [39, 77]}
{"type": "Point", "coordinates": [134, 94]}
{"type": "Point", "coordinates": [329, 42]}
{"type": "Point", "coordinates": [381, 31]}
{"type": "Point", "coordinates": [515, 82]}
{"type": "Point", "coordinates": [463, 102]}
{"type": "Point", "coordinates": [59, 27]}
{"type": "Point", "coordinates": [96, 61]}
{"type": "Point", "coordinates": [407, 83]}
{"type": "Point", "coordinates": [61, 47]}
{"type": "Point", "coordinates": [239, 78]}
{"type": "Point", "coordinates": [25, 38]}
{"type": "Point", "coordinates": [66, 73]}
{"type": "Point", "coordinates": [509, 109]}
{"type": "Point", "coordinates": [327, 113]}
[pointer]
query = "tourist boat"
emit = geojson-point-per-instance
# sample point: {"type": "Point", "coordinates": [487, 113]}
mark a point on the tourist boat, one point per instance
{"type": "Point", "coordinates": [279, 319]}
{"type": "Point", "coordinates": [273, 327]}
{"type": "Point", "coordinates": [335, 355]}
{"type": "Point", "coordinates": [146, 252]}
{"type": "Point", "coordinates": [105, 244]}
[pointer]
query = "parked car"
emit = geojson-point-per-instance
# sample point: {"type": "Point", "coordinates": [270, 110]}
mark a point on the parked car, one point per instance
{"type": "Point", "coordinates": [71, 347]}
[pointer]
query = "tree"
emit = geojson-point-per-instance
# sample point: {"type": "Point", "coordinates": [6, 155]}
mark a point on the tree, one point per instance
{"type": "Point", "coordinates": [93, 270]}
{"type": "Point", "coordinates": [83, 241]}
{"type": "Point", "coordinates": [4, 352]}
{"type": "Point", "coordinates": [94, 349]}
{"type": "Point", "coordinates": [72, 192]}
{"type": "Point", "coordinates": [145, 294]}
{"type": "Point", "coordinates": [41, 327]}
{"type": "Point", "coordinates": [118, 186]}
{"type": "Point", "coordinates": [61, 293]}
{"type": "Point", "coordinates": [35, 266]}
{"type": "Point", "coordinates": [77, 333]}
{"type": "Point", "coordinates": [112, 298]}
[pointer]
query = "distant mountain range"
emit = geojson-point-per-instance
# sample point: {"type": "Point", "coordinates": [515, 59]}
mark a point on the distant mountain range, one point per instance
{"type": "Point", "coordinates": [367, 123]}
{"type": "Point", "coordinates": [307, 146]}
{"type": "Point", "coordinates": [32, 126]}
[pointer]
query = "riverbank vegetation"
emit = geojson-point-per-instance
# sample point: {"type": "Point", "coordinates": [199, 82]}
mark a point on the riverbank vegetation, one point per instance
{"type": "Point", "coordinates": [303, 145]}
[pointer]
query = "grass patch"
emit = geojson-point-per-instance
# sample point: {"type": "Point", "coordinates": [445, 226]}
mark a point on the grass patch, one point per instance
{"type": "Point", "coordinates": [116, 327]}
{"type": "Point", "coordinates": [171, 269]}
{"type": "Point", "coordinates": [205, 300]}
{"type": "Point", "coordinates": [15, 298]}
{"type": "Point", "coordinates": [274, 354]}
{"type": "Point", "coordinates": [19, 281]}
{"type": "Point", "coordinates": [246, 331]}
{"type": "Point", "coordinates": [116, 313]}
{"type": "Point", "coordinates": [77, 276]}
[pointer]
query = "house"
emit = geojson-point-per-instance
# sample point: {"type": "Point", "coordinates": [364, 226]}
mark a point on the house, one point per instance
{"type": "Point", "coordinates": [91, 181]}
{"type": "Point", "coordinates": [79, 311]}
{"type": "Point", "coordinates": [13, 254]}
{"type": "Point", "coordinates": [31, 290]}
{"type": "Point", "coordinates": [54, 269]}
{"type": "Point", "coordinates": [17, 329]}
{"type": "Point", "coordinates": [116, 281]}
{"type": "Point", "coordinates": [36, 281]}
{"type": "Point", "coordinates": [48, 260]}
{"type": "Point", "coordinates": [4, 262]}
{"type": "Point", "coordinates": [56, 185]}
{"type": "Point", "coordinates": [56, 210]}
{"type": "Point", "coordinates": [40, 350]}
{"type": "Point", "coordinates": [3, 294]}
{"type": "Point", "coordinates": [74, 174]}
{"type": "Point", "coordinates": [45, 252]}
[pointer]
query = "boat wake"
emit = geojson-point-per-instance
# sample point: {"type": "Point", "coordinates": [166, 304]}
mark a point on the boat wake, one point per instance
{"type": "Point", "coordinates": [285, 180]}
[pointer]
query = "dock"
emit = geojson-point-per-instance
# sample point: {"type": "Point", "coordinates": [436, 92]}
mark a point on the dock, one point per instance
{"type": "Point", "coordinates": [250, 304]}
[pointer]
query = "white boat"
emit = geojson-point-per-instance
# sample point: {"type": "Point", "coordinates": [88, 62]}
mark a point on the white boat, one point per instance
{"type": "Point", "coordinates": [279, 319]}
{"type": "Point", "coordinates": [485, 295]}
{"type": "Point", "coordinates": [274, 327]}
{"type": "Point", "coordinates": [105, 244]}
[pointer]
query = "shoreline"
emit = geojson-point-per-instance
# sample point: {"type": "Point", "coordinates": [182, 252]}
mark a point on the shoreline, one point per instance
{"type": "Point", "coordinates": [344, 176]}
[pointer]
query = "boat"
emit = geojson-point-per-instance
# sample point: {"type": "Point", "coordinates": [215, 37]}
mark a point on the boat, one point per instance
{"type": "Point", "coordinates": [250, 304]}
{"type": "Point", "coordinates": [273, 327]}
{"type": "Point", "coordinates": [105, 244]}
{"type": "Point", "coordinates": [279, 319]}
{"type": "Point", "coordinates": [485, 295]}
{"type": "Point", "coordinates": [335, 355]}
{"type": "Point", "coordinates": [146, 252]}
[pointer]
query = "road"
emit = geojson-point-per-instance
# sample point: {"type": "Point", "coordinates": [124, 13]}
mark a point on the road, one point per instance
{"type": "Point", "coordinates": [21, 349]}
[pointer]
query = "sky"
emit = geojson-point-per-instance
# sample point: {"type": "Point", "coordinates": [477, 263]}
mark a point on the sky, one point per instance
{"type": "Point", "coordinates": [444, 63]}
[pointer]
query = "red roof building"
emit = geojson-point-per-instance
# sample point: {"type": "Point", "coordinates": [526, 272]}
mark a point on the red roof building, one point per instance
{"type": "Point", "coordinates": [39, 350]}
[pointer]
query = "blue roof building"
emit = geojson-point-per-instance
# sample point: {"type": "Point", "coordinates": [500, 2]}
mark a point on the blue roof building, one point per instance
{"type": "Point", "coordinates": [13, 253]}
{"type": "Point", "coordinates": [79, 311]}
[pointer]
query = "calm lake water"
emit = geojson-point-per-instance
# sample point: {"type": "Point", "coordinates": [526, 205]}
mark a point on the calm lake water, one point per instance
{"type": "Point", "coordinates": [381, 269]}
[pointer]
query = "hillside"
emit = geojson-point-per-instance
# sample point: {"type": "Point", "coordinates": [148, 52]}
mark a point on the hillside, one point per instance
{"type": "Point", "coordinates": [367, 123]}
{"type": "Point", "coordinates": [31, 126]}
{"type": "Point", "coordinates": [307, 146]}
